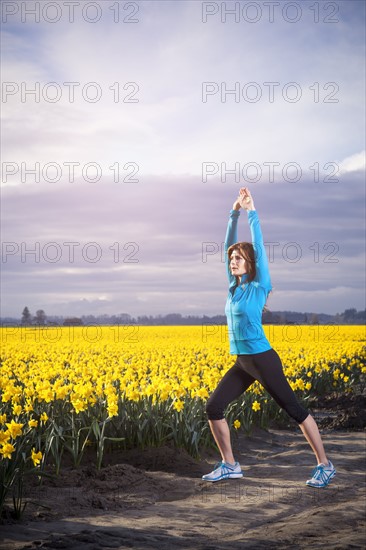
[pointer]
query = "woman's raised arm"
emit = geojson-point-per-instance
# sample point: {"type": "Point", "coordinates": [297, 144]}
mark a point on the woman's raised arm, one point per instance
{"type": "Point", "coordinates": [261, 261]}
{"type": "Point", "coordinates": [231, 236]}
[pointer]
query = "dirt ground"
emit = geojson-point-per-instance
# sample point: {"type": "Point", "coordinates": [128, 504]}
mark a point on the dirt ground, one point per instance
{"type": "Point", "coordinates": [155, 498]}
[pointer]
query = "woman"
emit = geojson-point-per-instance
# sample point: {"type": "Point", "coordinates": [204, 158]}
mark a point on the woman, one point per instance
{"type": "Point", "coordinates": [249, 286]}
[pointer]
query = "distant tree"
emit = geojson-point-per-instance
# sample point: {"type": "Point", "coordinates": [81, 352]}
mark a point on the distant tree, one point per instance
{"type": "Point", "coordinates": [26, 317]}
{"type": "Point", "coordinates": [142, 320]}
{"type": "Point", "coordinates": [40, 318]}
{"type": "Point", "coordinates": [173, 319]}
{"type": "Point", "coordinates": [124, 318]}
{"type": "Point", "coordinates": [349, 314]}
{"type": "Point", "coordinates": [314, 319]}
{"type": "Point", "coordinates": [361, 315]}
{"type": "Point", "coordinates": [267, 317]}
{"type": "Point", "coordinates": [306, 319]}
{"type": "Point", "coordinates": [73, 322]}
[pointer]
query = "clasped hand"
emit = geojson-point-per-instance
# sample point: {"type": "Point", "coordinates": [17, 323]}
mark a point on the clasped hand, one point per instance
{"type": "Point", "coordinates": [244, 200]}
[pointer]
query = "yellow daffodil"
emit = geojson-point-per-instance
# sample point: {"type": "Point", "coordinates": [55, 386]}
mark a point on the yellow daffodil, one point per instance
{"type": "Point", "coordinates": [36, 457]}
{"type": "Point", "coordinates": [43, 417]}
{"type": "Point", "coordinates": [4, 436]}
{"type": "Point", "coordinates": [6, 450]}
{"type": "Point", "coordinates": [17, 409]}
{"type": "Point", "coordinates": [112, 409]}
{"type": "Point", "coordinates": [33, 423]}
{"type": "Point", "coordinates": [14, 428]}
{"type": "Point", "coordinates": [178, 405]}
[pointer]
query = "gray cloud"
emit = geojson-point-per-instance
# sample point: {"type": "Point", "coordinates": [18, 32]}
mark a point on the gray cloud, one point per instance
{"type": "Point", "coordinates": [171, 221]}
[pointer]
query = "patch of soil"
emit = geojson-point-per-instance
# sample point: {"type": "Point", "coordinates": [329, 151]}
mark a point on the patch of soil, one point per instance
{"type": "Point", "coordinates": [337, 411]}
{"type": "Point", "coordinates": [159, 501]}
{"type": "Point", "coordinates": [131, 479]}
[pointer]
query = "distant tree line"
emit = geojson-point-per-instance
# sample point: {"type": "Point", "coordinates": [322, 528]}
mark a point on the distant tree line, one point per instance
{"type": "Point", "coordinates": [348, 317]}
{"type": "Point", "coordinates": [27, 319]}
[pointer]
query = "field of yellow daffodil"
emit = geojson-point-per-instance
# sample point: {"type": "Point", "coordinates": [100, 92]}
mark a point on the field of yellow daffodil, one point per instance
{"type": "Point", "coordinates": [63, 389]}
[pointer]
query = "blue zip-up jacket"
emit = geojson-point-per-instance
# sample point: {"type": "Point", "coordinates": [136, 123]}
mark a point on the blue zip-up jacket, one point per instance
{"type": "Point", "coordinates": [244, 304]}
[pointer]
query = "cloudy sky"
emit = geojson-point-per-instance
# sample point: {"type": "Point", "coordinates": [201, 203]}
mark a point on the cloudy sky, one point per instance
{"type": "Point", "coordinates": [128, 128]}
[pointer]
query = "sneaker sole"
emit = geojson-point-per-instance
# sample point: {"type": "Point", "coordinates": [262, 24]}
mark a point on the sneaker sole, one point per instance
{"type": "Point", "coordinates": [229, 476]}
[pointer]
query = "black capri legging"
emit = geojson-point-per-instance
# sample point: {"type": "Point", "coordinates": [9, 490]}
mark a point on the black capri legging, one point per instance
{"type": "Point", "coordinates": [266, 367]}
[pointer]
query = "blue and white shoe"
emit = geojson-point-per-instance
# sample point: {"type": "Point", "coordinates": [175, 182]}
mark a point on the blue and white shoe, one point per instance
{"type": "Point", "coordinates": [322, 475]}
{"type": "Point", "coordinates": [223, 470]}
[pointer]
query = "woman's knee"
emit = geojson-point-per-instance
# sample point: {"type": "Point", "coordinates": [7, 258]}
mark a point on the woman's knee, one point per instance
{"type": "Point", "coordinates": [214, 410]}
{"type": "Point", "coordinates": [297, 412]}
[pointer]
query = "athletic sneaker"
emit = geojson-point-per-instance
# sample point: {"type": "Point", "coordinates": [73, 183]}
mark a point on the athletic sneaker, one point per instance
{"type": "Point", "coordinates": [322, 475]}
{"type": "Point", "coordinates": [223, 470]}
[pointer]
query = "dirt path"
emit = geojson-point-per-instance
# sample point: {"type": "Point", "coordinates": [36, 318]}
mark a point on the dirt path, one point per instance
{"type": "Point", "coordinates": [155, 499]}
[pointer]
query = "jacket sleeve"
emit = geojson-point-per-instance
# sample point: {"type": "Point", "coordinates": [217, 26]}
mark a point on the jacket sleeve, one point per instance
{"type": "Point", "coordinates": [231, 238]}
{"type": "Point", "coordinates": [261, 260]}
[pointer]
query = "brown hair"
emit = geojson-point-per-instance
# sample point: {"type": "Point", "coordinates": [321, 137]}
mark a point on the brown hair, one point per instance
{"type": "Point", "coordinates": [246, 250]}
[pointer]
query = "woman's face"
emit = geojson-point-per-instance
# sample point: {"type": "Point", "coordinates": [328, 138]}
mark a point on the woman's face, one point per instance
{"type": "Point", "coordinates": [237, 263]}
